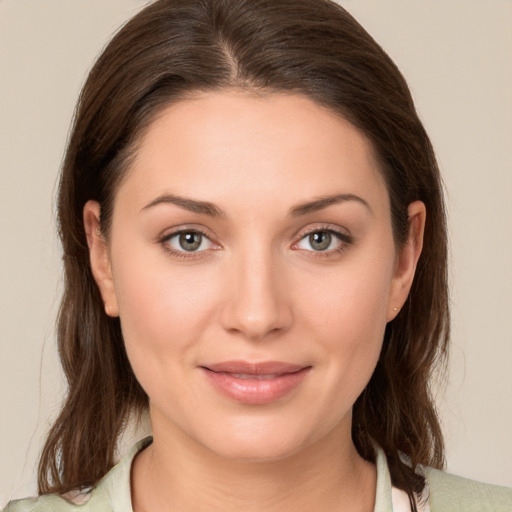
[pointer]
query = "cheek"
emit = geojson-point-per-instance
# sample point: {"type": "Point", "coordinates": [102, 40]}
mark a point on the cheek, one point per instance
{"type": "Point", "coordinates": [346, 313]}
{"type": "Point", "coordinates": [163, 311]}
{"type": "Point", "coordinates": [351, 302]}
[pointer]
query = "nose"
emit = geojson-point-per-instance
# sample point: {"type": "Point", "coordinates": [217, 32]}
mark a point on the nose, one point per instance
{"type": "Point", "coordinates": [258, 304]}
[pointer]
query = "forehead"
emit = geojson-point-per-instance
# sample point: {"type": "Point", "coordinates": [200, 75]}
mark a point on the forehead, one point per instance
{"type": "Point", "coordinates": [219, 145]}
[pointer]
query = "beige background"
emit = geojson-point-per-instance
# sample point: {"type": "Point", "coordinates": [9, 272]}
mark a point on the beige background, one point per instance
{"type": "Point", "coordinates": [456, 55]}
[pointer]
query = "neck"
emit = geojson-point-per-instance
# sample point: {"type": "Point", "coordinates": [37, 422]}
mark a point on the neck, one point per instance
{"type": "Point", "coordinates": [178, 474]}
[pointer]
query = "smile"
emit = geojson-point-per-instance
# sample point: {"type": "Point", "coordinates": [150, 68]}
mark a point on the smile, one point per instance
{"type": "Point", "coordinates": [258, 383]}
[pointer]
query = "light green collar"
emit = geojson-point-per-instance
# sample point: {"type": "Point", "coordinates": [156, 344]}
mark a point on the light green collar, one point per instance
{"type": "Point", "coordinates": [116, 483]}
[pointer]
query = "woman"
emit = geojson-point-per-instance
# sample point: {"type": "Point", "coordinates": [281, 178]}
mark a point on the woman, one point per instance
{"type": "Point", "coordinates": [255, 248]}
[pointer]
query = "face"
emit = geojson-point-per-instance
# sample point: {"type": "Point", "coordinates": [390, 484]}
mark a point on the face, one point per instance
{"type": "Point", "coordinates": [252, 263]}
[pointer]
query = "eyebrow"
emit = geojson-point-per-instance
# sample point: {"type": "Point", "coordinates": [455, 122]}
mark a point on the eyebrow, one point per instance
{"type": "Point", "coordinates": [324, 202]}
{"type": "Point", "coordinates": [212, 210]}
{"type": "Point", "coordinates": [202, 207]}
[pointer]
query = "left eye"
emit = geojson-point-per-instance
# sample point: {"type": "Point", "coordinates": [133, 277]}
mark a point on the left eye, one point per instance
{"type": "Point", "coordinates": [189, 241]}
{"type": "Point", "coordinates": [320, 241]}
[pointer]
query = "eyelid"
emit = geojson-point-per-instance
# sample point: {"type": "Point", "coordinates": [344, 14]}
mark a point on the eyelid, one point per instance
{"type": "Point", "coordinates": [183, 228]}
{"type": "Point", "coordinates": [341, 234]}
{"type": "Point", "coordinates": [182, 254]}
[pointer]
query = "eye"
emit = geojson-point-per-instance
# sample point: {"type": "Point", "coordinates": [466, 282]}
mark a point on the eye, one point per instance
{"type": "Point", "coordinates": [323, 240]}
{"type": "Point", "coordinates": [188, 241]}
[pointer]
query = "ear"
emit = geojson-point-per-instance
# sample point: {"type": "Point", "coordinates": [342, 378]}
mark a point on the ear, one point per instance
{"type": "Point", "coordinates": [100, 258]}
{"type": "Point", "coordinates": [407, 259]}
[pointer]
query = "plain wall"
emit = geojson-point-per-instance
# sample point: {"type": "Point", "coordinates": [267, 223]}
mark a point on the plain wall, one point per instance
{"type": "Point", "coordinates": [456, 57]}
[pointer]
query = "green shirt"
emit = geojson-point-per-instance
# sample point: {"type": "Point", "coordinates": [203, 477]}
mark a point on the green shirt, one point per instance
{"type": "Point", "coordinates": [448, 493]}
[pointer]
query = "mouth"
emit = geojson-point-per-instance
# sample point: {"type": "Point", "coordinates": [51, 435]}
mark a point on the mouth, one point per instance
{"type": "Point", "coordinates": [249, 376]}
{"type": "Point", "coordinates": [255, 383]}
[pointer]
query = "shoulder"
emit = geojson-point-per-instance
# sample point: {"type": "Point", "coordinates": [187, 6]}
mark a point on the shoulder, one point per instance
{"type": "Point", "coordinates": [96, 500]}
{"type": "Point", "coordinates": [47, 503]}
{"type": "Point", "coordinates": [454, 493]}
{"type": "Point", "coordinates": [112, 492]}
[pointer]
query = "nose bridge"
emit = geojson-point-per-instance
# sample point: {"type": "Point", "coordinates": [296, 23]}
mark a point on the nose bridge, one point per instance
{"type": "Point", "coordinates": [257, 304]}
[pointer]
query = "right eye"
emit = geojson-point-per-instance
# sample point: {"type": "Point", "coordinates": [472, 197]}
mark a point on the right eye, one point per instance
{"type": "Point", "coordinates": [188, 241]}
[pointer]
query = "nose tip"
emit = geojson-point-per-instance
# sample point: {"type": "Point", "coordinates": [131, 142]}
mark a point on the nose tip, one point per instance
{"type": "Point", "coordinates": [255, 327]}
{"type": "Point", "coordinates": [258, 305]}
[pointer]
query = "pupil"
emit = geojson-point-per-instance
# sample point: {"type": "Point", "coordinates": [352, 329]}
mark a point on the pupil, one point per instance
{"type": "Point", "coordinates": [320, 240]}
{"type": "Point", "coordinates": [190, 241]}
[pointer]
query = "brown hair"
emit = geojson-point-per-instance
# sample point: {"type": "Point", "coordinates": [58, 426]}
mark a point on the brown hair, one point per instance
{"type": "Point", "coordinates": [310, 47]}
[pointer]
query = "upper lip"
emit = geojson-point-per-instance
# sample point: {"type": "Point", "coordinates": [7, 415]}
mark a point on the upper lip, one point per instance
{"type": "Point", "coordinates": [260, 368]}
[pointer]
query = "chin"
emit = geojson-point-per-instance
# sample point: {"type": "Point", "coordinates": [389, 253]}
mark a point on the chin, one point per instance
{"type": "Point", "coordinates": [258, 441]}
{"type": "Point", "coordinates": [256, 450]}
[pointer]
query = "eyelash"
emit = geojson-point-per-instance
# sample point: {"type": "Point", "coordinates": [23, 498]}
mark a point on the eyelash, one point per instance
{"type": "Point", "coordinates": [344, 239]}
{"type": "Point", "coordinates": [183, 255]}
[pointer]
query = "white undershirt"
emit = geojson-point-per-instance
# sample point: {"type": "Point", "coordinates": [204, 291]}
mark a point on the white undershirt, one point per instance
{"type": "Point", "coordinates": [401, 502]}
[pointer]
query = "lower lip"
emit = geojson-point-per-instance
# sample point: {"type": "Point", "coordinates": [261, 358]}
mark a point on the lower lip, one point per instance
{"type": "Point", "coordinates": [254, 391]}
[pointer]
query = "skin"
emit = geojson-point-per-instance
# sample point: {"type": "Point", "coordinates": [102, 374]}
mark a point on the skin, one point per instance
{"type": "Point", "coordinates": [257, 290]}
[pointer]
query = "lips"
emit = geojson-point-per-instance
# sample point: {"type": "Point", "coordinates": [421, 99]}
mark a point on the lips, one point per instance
{"type": "Point", "coordinates": [255, 383]}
